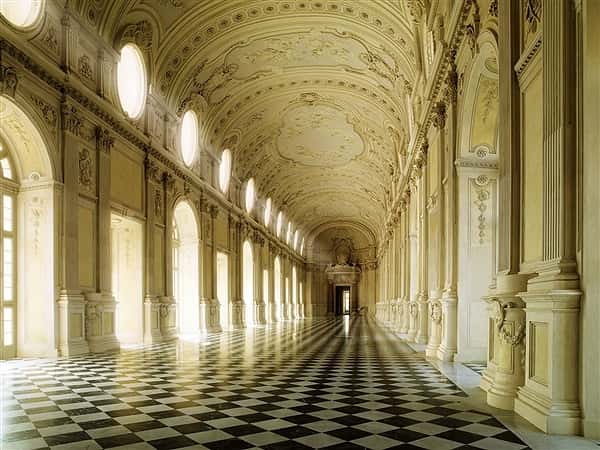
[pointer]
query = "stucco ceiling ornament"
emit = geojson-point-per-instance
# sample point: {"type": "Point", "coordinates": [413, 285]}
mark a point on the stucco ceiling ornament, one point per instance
{"type": "Point", "coordinates": [439, 115]}
{"type": "Point", "coordinates": [533, 14]}
{"type": "Point", "coordinates": [140, 33]}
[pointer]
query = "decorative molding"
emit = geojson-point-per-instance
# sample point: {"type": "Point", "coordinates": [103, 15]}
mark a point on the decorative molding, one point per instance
{"type": "Point", "coordinates": [439, 115]}
{"type": "Point", "coordinates": [436, 312]}
{"type": "Point", "coordinates": [158, 203]}
{"type": "Point", "coordinates": [50, 39]}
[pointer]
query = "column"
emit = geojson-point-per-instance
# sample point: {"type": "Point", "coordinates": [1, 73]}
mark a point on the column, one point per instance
{"type": "Point", "coordinates": [236, 309]}
{"type": "Point", "coordinates": [259, 310]}
{"type": "Point", "coordinates": [448, 346]}
{"type": "Point", "coordinates": [422, 295]}
{"type": "Point", "coordinates": [101, 305]}
{"type": "Point", "coordinates": [414, 281]}
{"type": "Point", "coordinates": [505, 367]}
{"type": "Point", "coordinates": [405, 266]}
{"type": "Point", "coordinates": [550, 397]}
{"type": "Point", "coordinates": [167, 304]}
{"type": "Point", "coordinates": [71, 303]}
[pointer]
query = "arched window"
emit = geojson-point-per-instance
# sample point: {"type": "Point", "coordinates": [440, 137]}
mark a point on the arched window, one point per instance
{"type": "Point", "coordinates": [250, 195]}
{"type": "Point", "coordinates": [267, 217]}
{"type": "Point", "coordinates": [279, 224]}
{"type": "Point", "coordinates": [8, 249]}
{"type": "Point", "coordinates": [225, 170]}
{"type": "Point", "coordinates": [277, 287]}
{"type": "Point", "coordinates": [132, 81]}
{"type": "Point", "coordinates": [21, 13]}
{"type": "Point", "coordinates": [189, 137]}
{"type": "Point", "coordinates": [302, 247]}
{"type": "Point", "coordinates": [296, 237]}
{"type": "Point", "coordinates": [288, 236]}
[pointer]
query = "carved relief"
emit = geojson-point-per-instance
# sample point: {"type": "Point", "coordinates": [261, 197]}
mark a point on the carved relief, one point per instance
{"type": "Point", "coordinates": [85, 169]}
{"type": "Point", "coordinates": [47, 111]}
{"type": "Point", "coordinates": [439, 115]}
{"type": "Point", "coordinates": [436, 313]}
{"type": "Point", "coordinates": [72, 122]}
{"type": "Point", "coordinates": [481, 234]}
{"type": "Point", "coordinates": [50, 39]}
{"type": "Point", "coordinates": [532, 11]}
{"type": "Point", "coordinates": [139, 33]}
{"type": "Point", "coordinates": [104, 140]}
{"type": "Point", "coordinates": [8, 80]}
{"type": "Point", "coordinates": [85, 68]}
{"type": "Point", "coordinates": [158, 203]}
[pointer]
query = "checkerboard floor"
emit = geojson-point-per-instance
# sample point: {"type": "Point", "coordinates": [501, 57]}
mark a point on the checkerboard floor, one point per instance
{"type": "Point", "coordinates": [478, 367]}
{"type": "Point", "coordinates": [331, 383]}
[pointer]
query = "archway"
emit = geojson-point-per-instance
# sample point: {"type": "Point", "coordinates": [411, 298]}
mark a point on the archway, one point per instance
{"type": "Point", "coordinates": [277, 287]}
{"type": "Point", "coordinates": [186, 268]}
{"type": "Point", "coordinates": [27, 294]}
{"type": "Point", "coordinates": [248, 283]}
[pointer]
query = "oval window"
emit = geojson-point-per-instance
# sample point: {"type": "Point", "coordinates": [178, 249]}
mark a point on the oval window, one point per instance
{"type": "Point", "coordinates": [250, 195]}
{"type": "Point", "coordinates": [21, 13]}
{"type": "Point", "coordinates": [225, 170]}
{"type": "Point", "coordinates": [279, 224]}
{"type": "Point", "coordinates": [268, 206]}
{"type": "Point", "coordinates": [189, 137]}
{"type": "Point", "coordinates": [131, 81]}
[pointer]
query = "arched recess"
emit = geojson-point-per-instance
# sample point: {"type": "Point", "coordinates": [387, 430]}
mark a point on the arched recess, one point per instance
{"type": "Point", "coordinates": [477, 159]}
{"type": "Point", "coordinates": [248, 282]}
{"type": "Point", "coordinates": [277, 288]}
{"type": "Point", "coordinates": [186, 267]}
{"type": "Point", "coordinates": [29, 277]}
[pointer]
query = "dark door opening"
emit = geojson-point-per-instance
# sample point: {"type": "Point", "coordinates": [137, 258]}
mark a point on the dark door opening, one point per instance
{"type": "Point", "coordinates": [342, 300]}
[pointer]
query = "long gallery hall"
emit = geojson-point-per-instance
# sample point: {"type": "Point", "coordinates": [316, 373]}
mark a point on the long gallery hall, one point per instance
{"type": "Point", "coordinates": [295, 224]}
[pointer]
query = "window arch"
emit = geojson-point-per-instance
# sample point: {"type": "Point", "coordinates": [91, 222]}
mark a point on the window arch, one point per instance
{"type": "Point", "coordinates": [279, 225]}
{"type": "Point", "coordinates": [225, 170]}
{"type": "Point", "coordinates": [267, 216]}
{"type": "Point", "coordinates": [296, 237]}
{"type": "Point", "coordinates": [189, 137]}
{"type": "Point", "coordinates": [288, 236]}
{"type": "Point", "coordinates": [132, 81]}
{"type": "Point", "coordinates": [250, 195]}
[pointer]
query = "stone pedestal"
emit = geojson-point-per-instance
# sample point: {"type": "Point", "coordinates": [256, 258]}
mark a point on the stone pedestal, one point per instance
{"type": "Point", "coordinates": [168, 318]}
{"type": "Point", "coordinates": [435, 322]}
{"type": "Point", "coordinates": [100, 322]}
{"type": "Point", "coordinates": [236, 314]}
{"type": "Point", "coordinates": [152, 332]}
{"type": "Point", "coordinates": [71, 312]}
{"type": "Point", "coordinates": [259, 312]}
{"type": "Point", "coordinates": [506, 349]}
{"type": "Point", "coordinates": [550, 397]}
{"type": "Point", "coordinates": [447, 348]}
{"type": "Point", "coordinates": [413, 313]}
{"type": "Point", "coordinates": [422, 319]}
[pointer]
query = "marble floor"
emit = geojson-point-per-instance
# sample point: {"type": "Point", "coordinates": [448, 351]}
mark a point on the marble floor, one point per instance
{"type": "Point", "coordinates": [333, 383]}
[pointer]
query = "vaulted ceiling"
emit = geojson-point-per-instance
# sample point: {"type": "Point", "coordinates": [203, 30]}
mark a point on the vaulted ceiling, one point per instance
{"type": "Point", "coordinates": [310, 95]}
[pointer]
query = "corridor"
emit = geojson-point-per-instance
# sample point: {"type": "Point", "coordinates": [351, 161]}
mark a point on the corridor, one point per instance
{"type": "Point", "coordinates": [329, 383]}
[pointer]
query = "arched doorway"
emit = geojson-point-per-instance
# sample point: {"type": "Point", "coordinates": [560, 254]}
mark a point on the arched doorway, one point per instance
{"type": "Point", "coordinates": [27, 285]}
{"type": "Point", "coordinates": [248, 283]}
{"type": "Point", "coordinates": [186, 268]}
{"type": "Point", "coordinates": [277, 287]}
